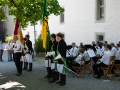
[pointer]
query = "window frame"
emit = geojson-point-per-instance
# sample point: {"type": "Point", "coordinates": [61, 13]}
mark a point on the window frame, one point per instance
{"type": "Point", "coordinates": [99, 6]}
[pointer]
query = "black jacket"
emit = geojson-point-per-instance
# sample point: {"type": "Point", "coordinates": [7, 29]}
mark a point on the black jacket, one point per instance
{"type": "Point", "coordinates": [29, 44]}
{"type": "Point", "coordinates": [52, 47]}
{"type": "Point", "coordinates": [62, 50]}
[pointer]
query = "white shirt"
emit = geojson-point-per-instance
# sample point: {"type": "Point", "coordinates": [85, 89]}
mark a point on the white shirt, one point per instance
{"type": "Point", "coordinates": [73, 51]}
{"type": "Point", "coordinates": [114, 50]}
{"type": "Point", "coordinates": [18, 47]}
{"type": "Point", "coordinates": [67, 53]}
{"type": "Point", "coordinates": [103, 49]}
{"type": "Point", "coordinates": [118, 55]}
{"type": "Point", "coordinates": [8, 46]}
{"type": "Point", "coordinates": [99, 51]}
{"type": "Point", "coordinates": [78, 59]}
{"type": "Point", "coordinates": [86, 56]}
{"type": "Point", "coordinates": [106, 57]}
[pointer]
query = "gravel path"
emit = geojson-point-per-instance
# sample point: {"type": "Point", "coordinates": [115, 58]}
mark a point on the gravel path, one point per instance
{"type": "Point", "coordinates": [34, 80]}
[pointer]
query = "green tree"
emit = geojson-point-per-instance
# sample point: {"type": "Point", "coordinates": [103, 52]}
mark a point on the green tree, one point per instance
{"type": "Point", "coordinates": [29, 10]}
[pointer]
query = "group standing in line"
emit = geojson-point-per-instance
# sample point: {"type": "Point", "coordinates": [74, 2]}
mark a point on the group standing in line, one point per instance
{"type": "Point", "coordinates": [22, 53]}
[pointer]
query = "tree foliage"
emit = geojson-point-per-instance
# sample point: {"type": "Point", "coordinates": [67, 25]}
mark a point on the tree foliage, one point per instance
{"type": "Point", "coordinates": [29, 10]}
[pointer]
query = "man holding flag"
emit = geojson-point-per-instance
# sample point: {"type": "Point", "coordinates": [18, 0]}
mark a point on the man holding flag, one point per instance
{"type": "Point", "coordinates": [45, 36]}
{"type": "Point", "coordinates": [18, 40]}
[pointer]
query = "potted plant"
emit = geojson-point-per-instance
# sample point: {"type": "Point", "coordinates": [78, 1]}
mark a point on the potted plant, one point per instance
{"type": "Point", "coordinates": [39, 47]}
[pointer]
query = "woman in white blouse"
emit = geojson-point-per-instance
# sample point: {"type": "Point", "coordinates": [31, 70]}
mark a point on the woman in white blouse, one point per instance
{"type": "Point", "coordinates": [77, 60]}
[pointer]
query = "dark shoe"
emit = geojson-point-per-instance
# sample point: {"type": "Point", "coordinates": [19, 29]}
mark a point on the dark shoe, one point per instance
{"type": "Point", "coordinates": [52, 81]}
{"type": "Point", "coordinates": [29, 70]}
{"type": "Point", "coordinates": [18, 74]}
{"type": "Point", "coordinates": [46, 76]}
{"type": "Point", "coordinates": [58, 82]}
{"type": "Point", "coordinates": [24, 69]}
{"type": "Point", "coordinates": [62, 84]}
{"type": "Point", "coordinates": [11, 60]}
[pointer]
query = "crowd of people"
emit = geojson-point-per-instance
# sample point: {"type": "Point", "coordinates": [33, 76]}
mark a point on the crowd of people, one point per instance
{"type": "Point", "coordinates": [61, 57]}
{"type": "Point", "coordinates": [20, 53]}
{"type": "Point", "coordinates": [101, 56]}
{"type": "Point", "coordinates": [72, 56]}
{"type": "Point", "coordinates": [56, 71]}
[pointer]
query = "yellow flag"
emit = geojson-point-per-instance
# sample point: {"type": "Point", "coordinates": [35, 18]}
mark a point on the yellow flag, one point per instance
{"type": "Point", "coordinates": [44, 33]}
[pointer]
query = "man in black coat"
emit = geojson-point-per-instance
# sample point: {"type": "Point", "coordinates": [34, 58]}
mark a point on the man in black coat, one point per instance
{"type": "Point", "coordinates": [61, 49]}
{"type": "Point", "coordinates": [28, 52]}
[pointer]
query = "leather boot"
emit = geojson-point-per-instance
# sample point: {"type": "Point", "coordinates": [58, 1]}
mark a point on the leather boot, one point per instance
{"type": "Point", "coordinates": [55, 76]}
{"type": "Point", "coordinates": [26, 65]}
{"type": "Point", "coordinates": [60, 81]}
{"type": "Point", "coordinates": [47, 73]}
{"type": "Point", "coordinates": [63, 79]}
{"type": "Point", "coordinates": [30, 67]}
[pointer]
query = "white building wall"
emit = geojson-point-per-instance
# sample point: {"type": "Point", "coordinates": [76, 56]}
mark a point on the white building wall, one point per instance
{"type": "Point", "coordinates": [80, 22]}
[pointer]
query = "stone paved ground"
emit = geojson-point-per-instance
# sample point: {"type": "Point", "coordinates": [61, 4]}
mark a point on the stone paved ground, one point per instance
{"type": "Point", "coordinates": [34, 80]}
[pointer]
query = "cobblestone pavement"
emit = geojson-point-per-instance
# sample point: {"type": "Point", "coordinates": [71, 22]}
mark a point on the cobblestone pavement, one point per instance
{"type": "Point", "coordinates": [34, 80]}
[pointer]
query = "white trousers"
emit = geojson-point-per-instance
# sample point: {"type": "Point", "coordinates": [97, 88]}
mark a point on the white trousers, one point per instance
{"type": "Point", "coordinates": [23, 59]}
{"type": "Point", "coordinates": [28, 58]}
{"type": "Point", "coordinates": [52, 65]}
{"type": "Point", "coordinates": [46, 63]}
{"type": "Point", "coordinates": [60, 68]}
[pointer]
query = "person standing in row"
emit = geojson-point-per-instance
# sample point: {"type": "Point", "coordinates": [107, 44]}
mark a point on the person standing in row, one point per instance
{"type": "Point", "coordinates": [17, 55]}
{"type": "Point", "coordinates": [53, 46]}
{"type": "Point", "coordinates": [28, 52]}
{"type": "Point", "coordinates": [1, 50]}
{"type": "Point", "coordinates": [8, 47]}
{"type": "Point", "coordinates": [61, 49]}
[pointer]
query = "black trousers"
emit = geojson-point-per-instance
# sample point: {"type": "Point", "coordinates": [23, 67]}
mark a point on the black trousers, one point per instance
{"type": "Point", "coordinates": [87, 62]}
{"type": "Point", "coordinates": [117, 61]}
{"type": "Point", "coordinates": [95, 59]}
{"type": "Point", "coordinates": [74, 64]}
{"type": "Point", "coordinates": [70, 60]}
{"type": "Point", "coordinates": [18, 63]}
{"type": "Point", "coordinates": [13, 56]}
{"type": "Point", "coordinates": [1, 53]}
{"type": "Point", "coordinates": [97, 70]}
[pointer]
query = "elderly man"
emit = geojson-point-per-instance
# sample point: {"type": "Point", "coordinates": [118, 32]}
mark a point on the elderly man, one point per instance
{"type": "Point", "coordinates": [73, 53]}
{"type": "Point", "coordinates": [17, 54]}
{"type": "Point", "coordinates": [1, 50]}
{"type": "Point", "coordinates": [8, 47]}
